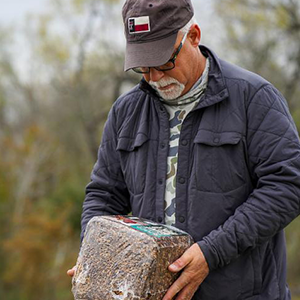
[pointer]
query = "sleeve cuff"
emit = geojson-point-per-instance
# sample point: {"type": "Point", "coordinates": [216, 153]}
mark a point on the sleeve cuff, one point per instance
{"type": "Point", "coordinates": [210, 254]}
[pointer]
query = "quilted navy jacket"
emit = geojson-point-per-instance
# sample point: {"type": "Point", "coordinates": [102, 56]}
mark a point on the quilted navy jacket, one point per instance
{"type": "Point", "coordinates": [238, 179]}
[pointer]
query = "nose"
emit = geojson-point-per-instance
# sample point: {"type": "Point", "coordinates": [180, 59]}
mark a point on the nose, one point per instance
{"type": "Point", "coordinates": [155, 75]}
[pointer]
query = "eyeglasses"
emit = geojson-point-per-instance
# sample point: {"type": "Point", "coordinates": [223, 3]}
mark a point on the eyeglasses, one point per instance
{"type": "Point", "coordinates": [169, 65]}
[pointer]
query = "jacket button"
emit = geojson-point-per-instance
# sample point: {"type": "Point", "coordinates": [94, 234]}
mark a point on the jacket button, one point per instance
{"type": "Point", "coordinates": [181, 219]}
{"type": "Point", "coordinates": [162, 145]}
{"type": "Point", "coordinates": [160, 181]}
{"type": "Point", "coordinates": [181, 180]}
{"type": "Point", "coordinates": [159, 219]}
{"type": "Point", "coordinates": [161, 108]}
{"type": "Point", "coordinates": [216, 140]}
{"type": "Point", "coordinates": [184, 142]}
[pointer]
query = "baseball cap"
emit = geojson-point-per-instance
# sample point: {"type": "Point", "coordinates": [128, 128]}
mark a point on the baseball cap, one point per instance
{"type": "Point", "coordinates": [151, 28]}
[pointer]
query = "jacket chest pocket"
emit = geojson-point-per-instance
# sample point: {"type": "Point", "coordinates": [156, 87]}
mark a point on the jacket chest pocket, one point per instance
{"type": "Point", "coordinates": [133, 153]}
{"type": "Point", "coordinates": [219, 161]}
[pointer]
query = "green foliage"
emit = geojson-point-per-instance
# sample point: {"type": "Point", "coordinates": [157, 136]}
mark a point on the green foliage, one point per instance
{"type": "Point", "coordinates": [296, 116]}
{"type": "Point", "coordinates": [293, 238]}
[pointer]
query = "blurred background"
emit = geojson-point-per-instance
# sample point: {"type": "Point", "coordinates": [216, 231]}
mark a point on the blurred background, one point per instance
{"type": "Point", "coordinates": [61, 69]}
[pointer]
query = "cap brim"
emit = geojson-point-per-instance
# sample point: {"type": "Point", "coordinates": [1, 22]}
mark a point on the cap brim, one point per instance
{"type": "Point", "coordinates": [149, 54]}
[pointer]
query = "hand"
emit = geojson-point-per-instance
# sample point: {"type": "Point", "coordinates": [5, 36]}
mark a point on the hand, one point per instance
{"type": "Point", "coordinates": [71, 272]}
{"type": "Point", "coordinates": [195, 270]}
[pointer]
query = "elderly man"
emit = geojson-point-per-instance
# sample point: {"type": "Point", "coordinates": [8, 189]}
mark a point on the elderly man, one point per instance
{"type": "Point", "coordinates": [205, 146]}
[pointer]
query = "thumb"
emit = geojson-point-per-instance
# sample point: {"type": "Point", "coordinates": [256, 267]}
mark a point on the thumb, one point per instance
{"type": "Point", "coordinates": [71, 272]}
{"type": "Point", "coordinates": [181, 262]}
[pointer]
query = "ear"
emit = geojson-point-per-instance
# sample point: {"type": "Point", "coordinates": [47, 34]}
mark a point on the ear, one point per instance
{"type": "Point", "coordinates": [194, 35]}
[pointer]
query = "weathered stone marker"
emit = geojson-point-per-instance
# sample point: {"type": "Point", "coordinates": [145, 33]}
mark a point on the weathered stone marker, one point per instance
{"type": "Point", "coordinates": [126, 258]}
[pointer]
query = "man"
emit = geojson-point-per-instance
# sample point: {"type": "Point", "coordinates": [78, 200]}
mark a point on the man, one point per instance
{"type": "Point", "coordinates": [205, 146]}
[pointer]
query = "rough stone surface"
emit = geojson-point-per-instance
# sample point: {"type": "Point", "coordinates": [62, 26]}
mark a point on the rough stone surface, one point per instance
{"type": "Point", "coordinates": [125, 258]}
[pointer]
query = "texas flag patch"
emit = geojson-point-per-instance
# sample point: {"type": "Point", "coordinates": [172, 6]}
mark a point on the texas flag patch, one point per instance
{"type": "Point", "coordinates": [139, 25]}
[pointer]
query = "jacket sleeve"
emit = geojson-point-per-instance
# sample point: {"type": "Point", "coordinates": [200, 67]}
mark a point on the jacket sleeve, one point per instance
{"type": "Point", "coordinates": [274, 163]}
{"type": "Point", "coordinates": [106, 194]}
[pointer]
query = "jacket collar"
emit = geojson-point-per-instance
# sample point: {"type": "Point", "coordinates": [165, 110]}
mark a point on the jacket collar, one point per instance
{"type": "Point", "coordinates": [216, 89]}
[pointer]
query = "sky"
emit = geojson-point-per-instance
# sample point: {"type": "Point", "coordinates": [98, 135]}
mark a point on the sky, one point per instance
{"type": "Point", "coordinates": [13, 11]}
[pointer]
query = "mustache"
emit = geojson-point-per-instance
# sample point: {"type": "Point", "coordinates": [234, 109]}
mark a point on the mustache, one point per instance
{"type": "Point", "coordinates": [163, 82]}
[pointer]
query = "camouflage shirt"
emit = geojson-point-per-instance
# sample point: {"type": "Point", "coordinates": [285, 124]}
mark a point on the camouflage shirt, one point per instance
{"type": "Point", "coordinates": [178, 109]}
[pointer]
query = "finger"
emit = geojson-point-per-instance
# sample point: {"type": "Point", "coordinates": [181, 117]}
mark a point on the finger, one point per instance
{"type": "Point", "coordinates": [187, 292]}
{"type": "Point", "coordinates": [177, 286]}
{"type": "Point", "coordinates": [71, 272]}
{"type": "Point", "coordinates": [183, 261]}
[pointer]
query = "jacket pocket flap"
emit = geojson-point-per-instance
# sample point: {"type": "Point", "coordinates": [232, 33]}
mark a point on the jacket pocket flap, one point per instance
{"type": "Point", "coordinates": [129, 144]}
{"type": "Point", "coordinates": [217, 139]}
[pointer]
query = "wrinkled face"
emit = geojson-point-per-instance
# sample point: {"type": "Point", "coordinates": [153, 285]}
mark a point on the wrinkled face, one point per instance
{"type": "Point", "coordinates": [178, 81]}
